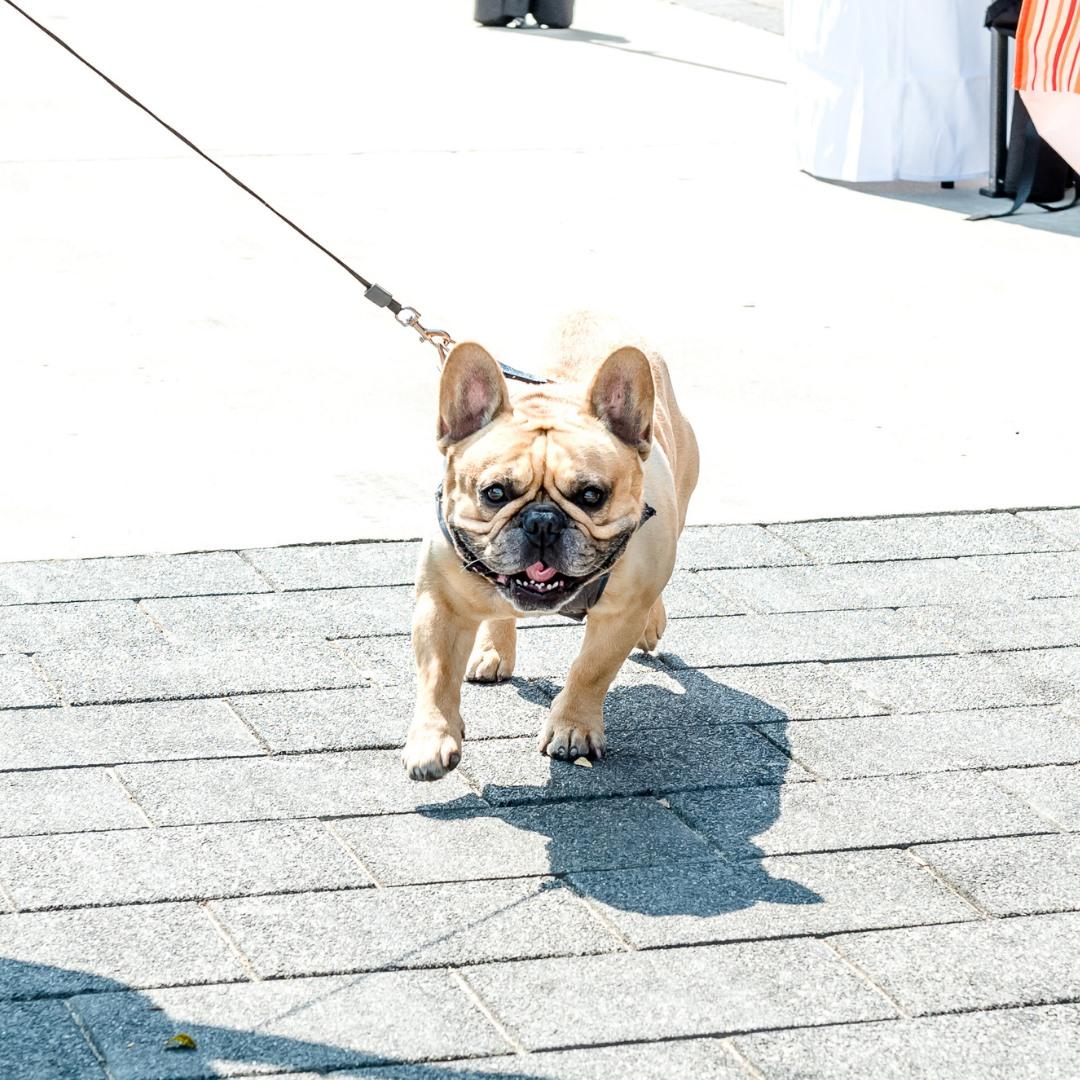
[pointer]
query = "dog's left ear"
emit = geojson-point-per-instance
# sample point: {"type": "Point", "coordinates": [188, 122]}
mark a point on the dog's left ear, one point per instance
{"type": "Point", "coordinates": [622, 395]}
{"type": "Point", "coordinates": [471, 394]}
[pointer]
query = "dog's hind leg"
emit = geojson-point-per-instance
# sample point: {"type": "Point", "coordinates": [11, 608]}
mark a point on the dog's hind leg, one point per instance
{"type": "Point", "coordinates": [494, 652]}
{"type": "Point", "coordinates": [654, 628]}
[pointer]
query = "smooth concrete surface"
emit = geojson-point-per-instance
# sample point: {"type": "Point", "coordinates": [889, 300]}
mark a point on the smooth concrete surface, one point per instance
{"type": "Point", "coordinates": [181, 372]}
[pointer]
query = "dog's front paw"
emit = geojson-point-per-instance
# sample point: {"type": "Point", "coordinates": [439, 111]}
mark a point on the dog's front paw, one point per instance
{"type": "Point", "coordinates": [488, 666]}
{"type": "Point", "coordinates": [430, 753]}
{"type": "Point", "coordinates": [569, 738]}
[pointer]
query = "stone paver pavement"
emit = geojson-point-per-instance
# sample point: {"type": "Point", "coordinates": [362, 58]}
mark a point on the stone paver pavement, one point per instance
{"type": "Point", "coordinates": [838, 833]}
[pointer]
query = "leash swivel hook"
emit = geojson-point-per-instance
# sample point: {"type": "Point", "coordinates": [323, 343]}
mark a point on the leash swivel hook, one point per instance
{"type": "Point", "coordinates": [442, 341]}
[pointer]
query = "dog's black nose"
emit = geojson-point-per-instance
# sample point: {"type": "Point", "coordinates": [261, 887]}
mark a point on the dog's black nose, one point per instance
{"type": "Point", "coordinates": [543, 522]}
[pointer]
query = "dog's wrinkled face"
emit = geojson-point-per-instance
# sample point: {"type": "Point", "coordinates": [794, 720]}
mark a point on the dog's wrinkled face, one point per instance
{"type": "Point", "coordinates": [541, 495]}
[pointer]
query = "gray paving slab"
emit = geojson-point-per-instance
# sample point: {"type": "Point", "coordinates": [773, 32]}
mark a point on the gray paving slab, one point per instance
{"type": "Point", "coordinates": [689, 595]}
{"type": "Point", "coordinates": [1032, 960]}
{"type": "Point", "coordinates": [94, 677]}
{"type": "Point", "coordinates": [21, 685]}
{"type": "Point", "coordinates": [888, 811]}
{"type": "Point", "coordinates": [376, 716]}
{"type": "Point", "coordinates": [704, 990]}
{"type": "Point", "coordinates": [1064, 525]}
{"type": "Point", "coordinates": [797, 691]}
{"type": "Point", "coordinates": [781, 896]}
{"type": "Point", "coordinates": [310, 785]}
{"type": "Point", "coordinates": [1041, 574]}
{"type": "Point", "coordinates": [108, 734]}
{"type": "Point", "coordinates": [1024, 624]}
{"type": "Point", "coordinates": [928, 537]}
{"type": "Point", "coordinates": [702, 1059]}
{"type": "Point", "coordinates": [338, 566]}
{"type": "Point", "coordinates": [798, 638]}
{"type": "Point", "coordinates": [185, 863]}
{"type": "Point", "coordinates": [40, 1039]}
{"type": "Point", "coordinates": [384, 661]}
{"type": "Point", "coordinates": [683, 700]}
{"type": "Point", "coordinates": [943, 683]}
{"type": "Point", "coordinates": [548, 651]}
{"type": "Point", "coordinates": [856, 585]}
{"type": "Point", "coordinates": [933, 742]}
{"type": "Point", "coordinates": [1006, 1044]}
{"type": "Point", "coordinates": [295, 1024]}
{"type": "Point", "coordinates": [1052, 673]}
{"type": "Point", "coordinates": [60, 953]}
{"type": "Point", "coordinates": [1012, 876]}
{"type": "Point", "coordinates": [649, 762]}
{"type": "Point", "coordinates": [312, 615]}
{"type": "Point", "coordinates": [129, 577]}
{"type": "Point", "coordinates": [718, 546]}
{"type": "Point", "coordinates": [35, 628]}
{"type": "Point", "coordinates": [64, 800]}
{"type": "Point", "coordinates": [414, 926]}
{"type": "Point", "coordinates": [528, 840]}
{"type": "Point", "coordinates": [1053, 791]}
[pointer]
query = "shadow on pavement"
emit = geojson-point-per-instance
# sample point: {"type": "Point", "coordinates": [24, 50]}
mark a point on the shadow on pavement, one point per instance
{"type": "Point", "coordinates": [686, 741]}
{"type": "Point", "coordinates": [622, 44]}
{"type": "Point", "coordinates": [39, 1041]}
{"type": "Point", "coordinates": [965, 199]}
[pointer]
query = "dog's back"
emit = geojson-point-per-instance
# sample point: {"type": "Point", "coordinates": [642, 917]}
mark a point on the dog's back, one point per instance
{"type": "Point", "coordinates": [583, 340]}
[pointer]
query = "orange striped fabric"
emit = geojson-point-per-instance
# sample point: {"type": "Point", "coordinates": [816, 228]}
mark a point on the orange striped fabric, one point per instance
{"type": "Point", "coordinates": [1048, 46]}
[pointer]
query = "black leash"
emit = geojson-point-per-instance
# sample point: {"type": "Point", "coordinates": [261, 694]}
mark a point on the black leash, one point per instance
{"type": "Point", "coordinates": [380, 297]}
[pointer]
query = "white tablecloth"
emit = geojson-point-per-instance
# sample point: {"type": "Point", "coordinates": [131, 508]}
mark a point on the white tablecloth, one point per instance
{"type": "Point", "coordinates": [890, 89]}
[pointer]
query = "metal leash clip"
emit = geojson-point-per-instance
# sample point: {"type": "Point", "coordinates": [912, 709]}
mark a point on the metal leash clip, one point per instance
{"type": "Point", "coordinates": [442, 341]}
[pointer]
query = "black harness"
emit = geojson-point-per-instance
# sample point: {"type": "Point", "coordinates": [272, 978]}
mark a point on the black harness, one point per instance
{"type": "Point", "coordinates": [586, 598]}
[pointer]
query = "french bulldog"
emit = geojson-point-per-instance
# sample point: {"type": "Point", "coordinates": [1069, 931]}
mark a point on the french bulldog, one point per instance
{"type": "Point", "coordinates": [568, 496]}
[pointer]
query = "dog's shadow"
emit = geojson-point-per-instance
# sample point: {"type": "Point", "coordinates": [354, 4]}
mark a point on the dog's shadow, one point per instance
{"type": "Point", "coordinates": [692, 748]}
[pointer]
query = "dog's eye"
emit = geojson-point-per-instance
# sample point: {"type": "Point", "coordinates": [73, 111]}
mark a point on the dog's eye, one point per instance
{"type": "Point", "coordinates": [592, 497]}
{"type": "Point", "coordinates": [494, 495]}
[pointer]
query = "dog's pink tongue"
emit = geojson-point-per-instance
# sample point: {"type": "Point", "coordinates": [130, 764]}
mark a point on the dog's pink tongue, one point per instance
{"type": "Point", "coordinates": [539, 572]}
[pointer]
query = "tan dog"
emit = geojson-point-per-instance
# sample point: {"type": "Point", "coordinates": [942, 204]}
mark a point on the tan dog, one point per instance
{"type": "Point", "coordinates": [548, 499]}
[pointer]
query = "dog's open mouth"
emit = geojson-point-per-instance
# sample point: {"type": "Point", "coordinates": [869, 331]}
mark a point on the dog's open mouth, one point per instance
{"type": "Point", "coordinates": [539, 581]}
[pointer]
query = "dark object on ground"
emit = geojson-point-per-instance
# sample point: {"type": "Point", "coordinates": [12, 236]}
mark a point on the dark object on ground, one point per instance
{"type": "Point", "coordinates": [1025, 168]}
{"type": "Point", "coordinates": [558, 14]}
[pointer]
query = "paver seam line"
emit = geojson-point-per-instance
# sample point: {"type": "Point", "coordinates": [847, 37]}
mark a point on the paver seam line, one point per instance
{"type": "Point", "coordinates": [363, 685]}
{"type": "Point", "coordinates": [84, 1030]}
{"type": "Point", "coordinates": [262, 574]}
{"type": "Point", "coordinates": [8, 898]}
{"type": "Point", "coordinates": [504, 1031]}
{"type": "Point", "coordinates": [948, 884]}
{"type": "Point", "coordinates": [721, 726]}
{"type": "Point", "coordinates": [742, 1059]}
{"type": "Point", "coordinates": [597, 915]}
{"type": "Point", "coordinates": [662, 658]}
{"type": "Point", "coordinates": [981, 512]}
{"type": "Point", "coordinates": [562, 876]}
{"type": "Point", "coordinates": [117, 779]}
{"type": "Point", "coordinates": [133, 599]}
{"type": "Point", "coordinates": [865, 977]}
{"type": "Point", "coordinates": [786, 751]}
{"type": "Point", "coordinates": [233, 945]}
{"type": "Point", "coordinates": [642, 793]}
{"type": "Point", "coordinates": [985, 512]}
{"type": "Point", "coordinates": [248, 726]}
{"type": "Point", "coordinates": [1029, 802]}
{"type": "Point", "coordinates": [351, 852]}
{"type": "Point", "coordinates": [157, 625]}
{"type": "Point", "coordinates": [46, 678]}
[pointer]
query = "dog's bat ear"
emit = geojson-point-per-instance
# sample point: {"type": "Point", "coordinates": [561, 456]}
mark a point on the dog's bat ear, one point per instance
{"type": "Point", "coordinates": [472, 393]}
{"type": "Point", "coordinates": [622, 395]}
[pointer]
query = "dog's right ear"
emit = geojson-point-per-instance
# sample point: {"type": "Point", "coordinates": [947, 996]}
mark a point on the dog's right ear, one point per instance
{"type": "Point", "coordinates": [472, 393]}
